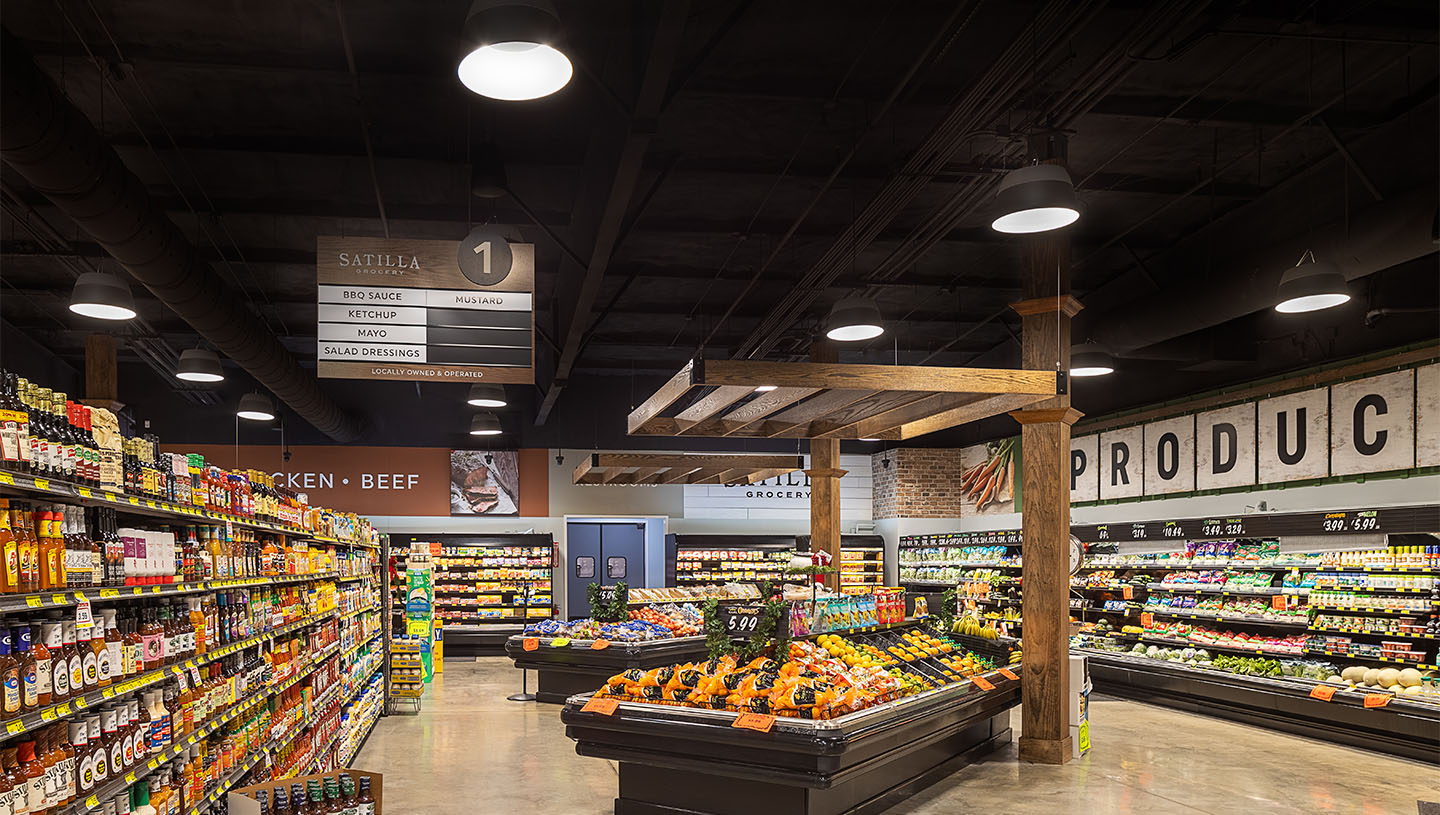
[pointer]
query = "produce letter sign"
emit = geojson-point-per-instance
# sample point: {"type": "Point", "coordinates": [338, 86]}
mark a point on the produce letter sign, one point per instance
{"type": "Point", "coordinates": [1122, 465]}
{"type": "Point", "coordinates": [1373, 424]}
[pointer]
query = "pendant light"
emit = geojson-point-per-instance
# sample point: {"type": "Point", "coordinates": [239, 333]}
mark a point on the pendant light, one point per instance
{"type": "Point", "coordinates": [1037, 198]}
{"type": "Point", "coordinates": [102, 296]}
{"type": "Point", "coordinates": [256, 407]}
{"type": "Point", "coordinates": [513, 57]}
{"type": "Point", "coordinates": [485, 423]}
{"type": "Point", "coordinates": [1091, 361]}
{"type": "Point", "coordinates": [852, 319]}
{"type": "Point", "coordinates": [489, 396]}
{"type": "Point", "coordinates": [1311, 286]}
{"type": "Point", "coordinates": [764, 388]}
{"type": "Point", "coordinates": [199, 365]}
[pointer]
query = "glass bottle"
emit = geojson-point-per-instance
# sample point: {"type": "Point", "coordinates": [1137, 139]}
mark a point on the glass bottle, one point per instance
{"type": "Point", "coordinates": [28, 548]}
{"type": "Point", "coordinates": [132, 647]}
{"type": "Point", "coordinates": [114, 647]}
{"type": "Point", "coordinates": [25, 662]}
{"type": "Point", "coordinates": [34, 774]}
{"type": "Point", "coordinates": [68, 768]}
{"type": "Point", "coordinates": [74, 662]}
{"type": "Point", "coordinates": [44, 663]}
{"type": "Point", "coordinates": [52, 758]}
{"type": "Point", "coordinates": [94, 558]}
{"type": "Point", "coordinates": [365, 800]}
{"type": "Point", "coordinates": [10, 691]}
{"type": "Point", "coordinates": [10, 582]}
{"type": "Point", "coordinates": [89, 657]}
{"type": "Point", "coordinates": [101, 649]}
{"type": "Point", "coordinates": [151, 635]}
{"type": "Point", "coordinates": [10, 768]}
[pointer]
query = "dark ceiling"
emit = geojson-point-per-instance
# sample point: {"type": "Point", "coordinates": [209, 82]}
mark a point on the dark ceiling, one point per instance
{"type": "Point", "coordinates": [751, 163]}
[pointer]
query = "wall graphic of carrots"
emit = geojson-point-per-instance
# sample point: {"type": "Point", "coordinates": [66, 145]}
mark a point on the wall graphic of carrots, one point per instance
{"type": "Point", "coordinates": [989, 481]}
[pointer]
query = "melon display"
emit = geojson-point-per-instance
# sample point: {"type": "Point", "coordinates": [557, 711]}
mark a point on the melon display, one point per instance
{"type": "Point", "coordinates": [1371, 677]}
{"type": "Point", "coordinates": [1388, 677]}
{"type": "Point", "coordinates": [1412, 690]}
{"type": "Point", "coordinates": [1410, 678]}
{"type": "Point", "coordinates": [1354, 673]}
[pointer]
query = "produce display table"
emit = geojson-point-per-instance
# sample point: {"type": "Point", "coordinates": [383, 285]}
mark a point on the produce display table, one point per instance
{"type": "Point", "coordinates": [577, 668]}
{"type": "Point", "coordinates": [1401, 727]}
{"type": "Point", "coordinates": [686, 761]}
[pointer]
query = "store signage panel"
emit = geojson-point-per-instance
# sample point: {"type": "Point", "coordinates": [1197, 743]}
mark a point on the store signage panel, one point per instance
{"type": "Point", "coordinates": [1427, 416]}
{"type": "Point", "coordinates": [467, 306]}
{"type": "Point", "coordinates": [1294, 435]}
{"type": "Point", "coordinates": [1085, 468]}
{"type": "Point", "coordinates": [1170, 456]}
{"type": "Point", "coordinates": [1225, 447]}
{"type": "Point", "coordinates": [1373, 424]}
{"type": "Point", "coordinates": [1122, 463]}
{"type": "Point", "coordinates": [785, 497]}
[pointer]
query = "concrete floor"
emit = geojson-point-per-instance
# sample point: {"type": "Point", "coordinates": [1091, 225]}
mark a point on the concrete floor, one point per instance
{"type": "Point", "coordinates": [471, 751]}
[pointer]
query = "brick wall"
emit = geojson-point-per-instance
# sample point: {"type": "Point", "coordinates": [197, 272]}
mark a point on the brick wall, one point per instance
{"type": "Point", "coordinates": [919, 483]}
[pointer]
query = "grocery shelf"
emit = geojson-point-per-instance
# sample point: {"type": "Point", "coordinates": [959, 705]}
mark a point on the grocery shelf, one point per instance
{"type": "Point", "coordinates": [1359, 658]}
{"type": "Point", "coordinates": [1402, 727]}
{"type": "Point", "coordinates": [1374, 590]}
{"type": "Point", "coordinates": [1223, 649]}
{"type": "Point", "coordinates": [11, 603]}
{"type": "Point", "coordinates": [1381, 569]}
{"type": "Point", "coordinates": [1384, 634]}
{"type": "Point", "coordinates": [1373, 612]}
{"type": "Point", "coordinates": [1191, 567]}
{"type": "Point", "coordinates": [1227, 620]}
{"type": "Point", "coordinates": [43, 716]}
{"type": "Point", "coordinates": [354, 577]}
{"type": "Point", "coordinates": [356, 648]}
{"type": "Point", "coordinates": [139, 505]}
{"type": "Point", "coordinates": [1269, 592]}
{"type": "Point", "coordinates": [230, 781]}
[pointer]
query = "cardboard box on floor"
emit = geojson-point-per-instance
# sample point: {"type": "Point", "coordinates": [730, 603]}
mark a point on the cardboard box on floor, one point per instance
{"type": "Point", "coordinates": [242, 802]}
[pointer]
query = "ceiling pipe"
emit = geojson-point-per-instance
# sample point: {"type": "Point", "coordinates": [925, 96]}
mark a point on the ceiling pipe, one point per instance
{"type": "Point", "coordinates": [56, 149]}
{"type": "Point", "coordinates": [1386, 234]}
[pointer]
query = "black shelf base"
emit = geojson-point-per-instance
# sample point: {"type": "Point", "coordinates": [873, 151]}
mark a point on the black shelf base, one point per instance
{"type": "Point", "coordinates": [646, 789]}
{"type": "Point", "coordinates": [1392, 729]}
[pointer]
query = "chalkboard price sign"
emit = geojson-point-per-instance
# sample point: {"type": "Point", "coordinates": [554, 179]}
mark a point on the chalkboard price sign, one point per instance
{"type": "Point", "coordinates": [741, 621]}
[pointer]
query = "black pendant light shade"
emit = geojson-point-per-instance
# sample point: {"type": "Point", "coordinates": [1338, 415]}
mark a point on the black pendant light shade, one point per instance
{"type": "Point", "coordinates": [1311, 286]}
{"type": "Point", "coordinates": [199, 365]}
{"type": "Point", "coordinates": [852, 319]}
{"type": "Point", "coordinates": [1091, 362]}
{"type": "Point", "coordinates": [485, 423]}
{"type": "Point", "coordinates": [256, 407]}
{"type": "Point", "coordinates": [1038, 198]}
{"type": "Point", "coordinates": [488, 396]}
{"type": "Point", "coordinates": [102, 296]}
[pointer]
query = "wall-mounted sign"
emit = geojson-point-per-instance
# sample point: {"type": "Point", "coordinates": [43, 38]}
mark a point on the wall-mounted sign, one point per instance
{"type": "Point", "coordinates": [785, 497]}
{"type": "Point", "coordinates": [484, 482]}
{"type": "Point", "coordinates": [1384, 423]}
{"type": "Point", "coordinates": [426, 310]}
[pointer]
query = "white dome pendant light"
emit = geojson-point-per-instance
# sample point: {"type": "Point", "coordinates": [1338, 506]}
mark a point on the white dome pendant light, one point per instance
{"type": "Point", "coordinates": [1311, 286]}
{"type": "Point", "coordinates": [514, 57]}
{"type": "Point", "coordinates": [1038, 198]}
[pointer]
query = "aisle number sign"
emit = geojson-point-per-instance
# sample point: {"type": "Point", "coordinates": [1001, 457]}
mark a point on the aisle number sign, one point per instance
{"type": "Point", "coordinates": [426, 310]}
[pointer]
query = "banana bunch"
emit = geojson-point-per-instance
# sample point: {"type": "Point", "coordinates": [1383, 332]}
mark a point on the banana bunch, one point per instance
{"type": "Point", "coordinates": [971, 627]}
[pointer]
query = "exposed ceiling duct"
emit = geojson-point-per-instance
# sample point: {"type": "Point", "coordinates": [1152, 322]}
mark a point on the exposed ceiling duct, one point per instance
{"type": "Point", "coordinates": [58, 151]}
{"type": "Point", "coordinates": [1392, 232]}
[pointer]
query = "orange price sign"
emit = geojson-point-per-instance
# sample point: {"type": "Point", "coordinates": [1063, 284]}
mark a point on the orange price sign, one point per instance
{"type": "Point", "coordinates": [761, 722]}
{"type": "Point", "coordinates": [602, 705]}
{"type": "Point", "coordinates": [1147, 620]}
{"type": "Point", "coordinates": [1323, 692]}
{"type": "Point", "coordinates": [981, 682]}
{"type": "Point", "coordinates": [1377, 699]}
{"type": "Point", "coordinates": [1128, 592]}
{"type": "Point", "coordinates": [600, 645]}
{"type": "Point", "coordinates": [530, 644]}
{"type": "Point", "coordinates": [1008, 674]}
{"type": "Point", "coordinates": [1279, 602]}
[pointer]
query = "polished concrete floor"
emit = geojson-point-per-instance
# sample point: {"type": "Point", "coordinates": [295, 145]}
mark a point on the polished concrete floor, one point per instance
{"type": "Point", "coordinates": [471, 751]}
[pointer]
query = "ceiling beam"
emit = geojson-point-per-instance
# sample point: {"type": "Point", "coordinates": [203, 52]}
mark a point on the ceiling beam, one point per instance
{"type": "Point", "coordinates": [661, 52]}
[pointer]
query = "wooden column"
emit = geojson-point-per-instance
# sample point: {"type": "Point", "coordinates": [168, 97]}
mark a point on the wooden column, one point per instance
{"type": "Point", "coordinates": [825, 475]}
{"type": "Point", "coordinates": [102, 376]}
{"type": "Point", "coordinates": [1045, 443]}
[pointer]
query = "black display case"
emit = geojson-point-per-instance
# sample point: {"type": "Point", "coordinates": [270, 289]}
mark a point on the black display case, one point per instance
{"type": "Point", "coordinates": [577, 668]}
{"type": "Point", "coordinates": [1401, 727]}
{"type": "Point", "coordinates": [686, 761]}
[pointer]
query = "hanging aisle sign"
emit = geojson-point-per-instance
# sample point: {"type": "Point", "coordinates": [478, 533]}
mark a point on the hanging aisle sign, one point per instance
{"type": "Point", "coordinates": [1385, 423]}
{"type": "Point", "coordinates": [426, 310]}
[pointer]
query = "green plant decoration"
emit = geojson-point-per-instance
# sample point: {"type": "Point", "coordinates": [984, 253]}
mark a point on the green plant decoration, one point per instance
{"type": "Point", "coordinates": [943, 618]}
{"type": "Point", "coordinates": [614, 611]}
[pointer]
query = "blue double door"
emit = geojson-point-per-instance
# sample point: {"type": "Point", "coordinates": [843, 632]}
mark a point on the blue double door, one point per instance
{"type": "Point", "coordinates": [604, 553]}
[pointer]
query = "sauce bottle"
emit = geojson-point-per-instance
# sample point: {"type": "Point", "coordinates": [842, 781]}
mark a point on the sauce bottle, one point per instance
{"type": "Point", "coordinates": [99, 755]}
{"type": "Point", "coordinates": [141, 795]}
{"type": "Point", "coordinates": [53, 760]}
{"type": "Point", "coordinates": [69, 768]}
{"type": "Point", "coordinates": [25, 662]}
{"type": "Point", "coordinates": [19, 790]}
{"type": "Point", "coordinates": [89, 663]}
{"type": "Point", "coordinates": [133, 648]}
{"type": "Point", "coordinates": [34, 774]}
{"type": "Point", "coordinates": [7, 789]}
{"type": "Point", "coordinates": [11, 694]}
{"type": "Point", "coordinates": [151, 633]}
{"type": "Point", "coordinates": [101, 651]}
{"type": "Point", "coordinates": [365, 799]}
{"type": "Point", "coordinates": [9, 553]}
{"type": "Point", "coordinates": [139, 732]}
{"type": "Point", "coordinates": [114, 649]}
{"type": "Point", "coordinates": [80, 738]}
{"type": "Point", "coordinates": [74, 661]}
{"type": "Point", "coordinates": [110, 722]}
{"type": "Point", "coordinates": [44, 684]}
{"type": "Point", "coordinates": [28, 551]}
{"type": "Point", "coordinates": [159, 722]}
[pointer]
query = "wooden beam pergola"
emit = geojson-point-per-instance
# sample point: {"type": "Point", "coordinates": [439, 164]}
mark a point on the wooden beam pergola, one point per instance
{"type": "Point", "coordinates": [814, 400]}
{"type": "Point", "coordinates": [640, 469]}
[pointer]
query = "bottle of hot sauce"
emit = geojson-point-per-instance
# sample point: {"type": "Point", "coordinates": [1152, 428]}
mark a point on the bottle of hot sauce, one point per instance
{"type": "Point", "coordinates": [9, 553]}
{"type": "Point", "coordinates": [152, 635]}
{"type": "Point", "coordinates": [29, 555]}
{"type": "Point", "coordinates": [76, 661]}
{"type": "Point", "coordinates": [44, 685]}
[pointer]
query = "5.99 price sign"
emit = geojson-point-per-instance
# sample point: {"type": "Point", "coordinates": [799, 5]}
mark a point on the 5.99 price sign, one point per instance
{"type": "Point", "coordinates": [741, 622]}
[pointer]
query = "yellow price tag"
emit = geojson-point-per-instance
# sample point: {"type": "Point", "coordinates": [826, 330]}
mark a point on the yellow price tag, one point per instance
{"type": "Point", "coordinates": [150, 504]}
{"type": "Point", "coordinates": [190, 740]}
{"type": "Point", "coordinates": [189, 663]}
{"type": "Point", "coordinates": [92, 802]}
{"type": "Point", "coordinates": [81, 598]}
{"type": "Point", "coordinates": [81, 704]}
{"type": "Point", "coordinates": [34, 602]}
{"type": "Point", "coordinates": [107, 693]}
{"type": "Point", "coordinates": [134, 502]}
{"type": "Point", "coordinates": [42, 484]}
{"type": "Point", "coordinates": [6, 478]}
{"type": "Point", "coordinates": [14, 727]}
{"type": "Point", "coordinates": [47, 715]}
{"type": "Point", "coordinates": [84, 492]}
{"type": "Point", "coordinates": [152, 764]}
{"type": "Point", "coordinates": [154, 589]}
{"type": "Point", "coordinates": [63, 710]}
{"type": "Point", "coordinates": [106, 593]}
{"type": "Point", "coordinates": [57, 599]}
{"type": "Point", "coordinates": [137, 590]}
{"type": "Point", "coordinates": [129, 778]}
